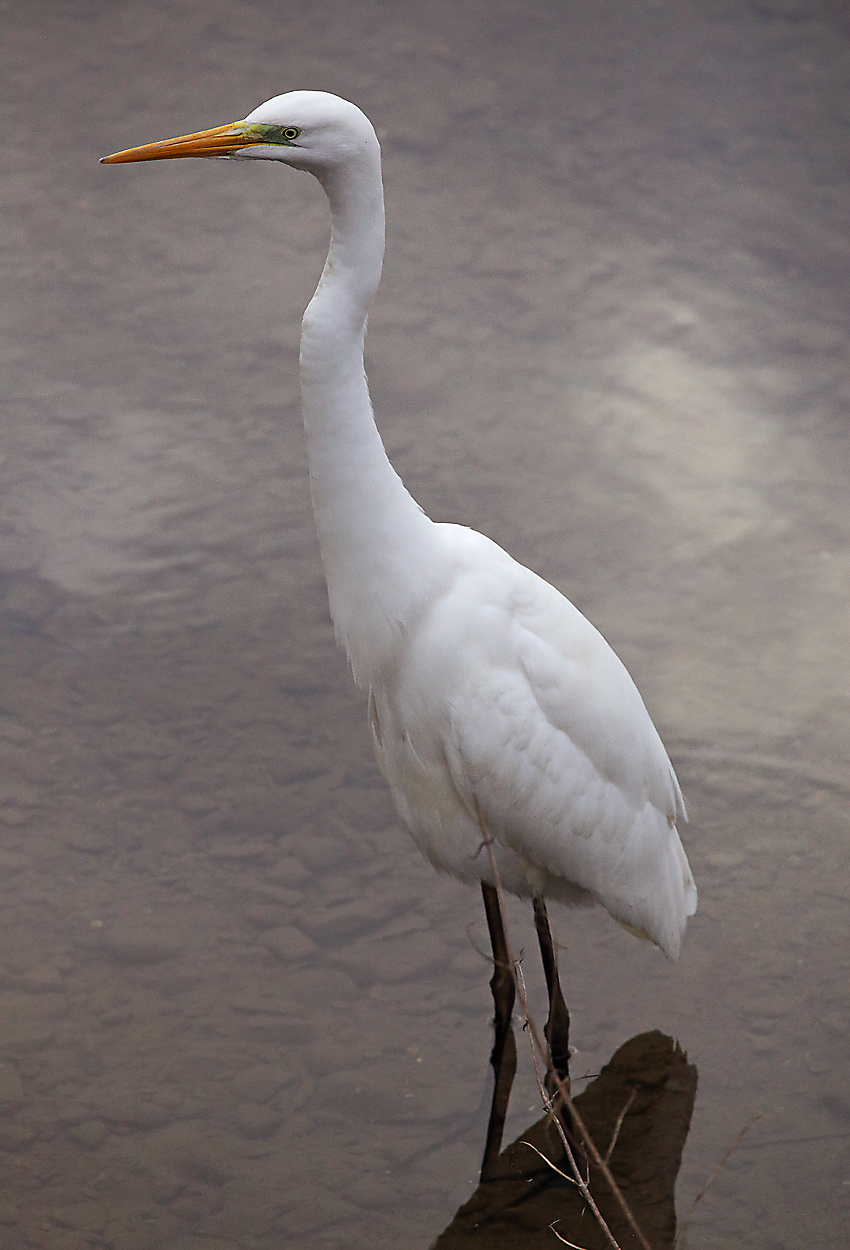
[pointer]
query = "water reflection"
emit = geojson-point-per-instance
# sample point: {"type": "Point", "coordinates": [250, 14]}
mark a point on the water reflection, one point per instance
{"type": "Point", "coordinates": [520, 1196]}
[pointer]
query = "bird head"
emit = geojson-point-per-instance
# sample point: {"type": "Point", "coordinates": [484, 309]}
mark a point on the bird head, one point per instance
{"type": "Point", "coordinates": [310, 130]}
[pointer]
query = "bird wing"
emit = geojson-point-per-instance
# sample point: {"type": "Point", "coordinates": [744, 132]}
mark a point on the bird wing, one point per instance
{"type": "Point", "coordinates": [550, 735]}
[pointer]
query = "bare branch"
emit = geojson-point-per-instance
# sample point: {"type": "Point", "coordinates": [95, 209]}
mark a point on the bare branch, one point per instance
{"type": "Point", "coordinates": [564, 1240]}
{"type": "Point", "coordinates": [718, 1168]}
{"type": "Point", "coordinates": [542, 1049]}
{"type": "Point", "coordinates": [619, 1125]}
{"type": "Point", "coordinates": [548, 1161]}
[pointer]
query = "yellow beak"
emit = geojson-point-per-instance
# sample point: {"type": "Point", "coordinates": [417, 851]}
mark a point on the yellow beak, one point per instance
{"type": "Point", "coordinates": [218, 142]}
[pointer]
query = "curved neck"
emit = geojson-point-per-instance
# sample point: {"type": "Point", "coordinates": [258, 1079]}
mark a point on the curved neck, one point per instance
{"type": "Point", "coordinates": [371, 532]}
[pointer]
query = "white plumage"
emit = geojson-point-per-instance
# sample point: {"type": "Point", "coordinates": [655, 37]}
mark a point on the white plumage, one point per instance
{"type": "Point", "coordinates": [484, 682]}
{"type": "Point", "coordinates": [502, 690]}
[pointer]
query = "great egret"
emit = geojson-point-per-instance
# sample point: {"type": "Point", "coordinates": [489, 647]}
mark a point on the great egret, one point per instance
{"type": "Point", "coordinates": [491, 698]}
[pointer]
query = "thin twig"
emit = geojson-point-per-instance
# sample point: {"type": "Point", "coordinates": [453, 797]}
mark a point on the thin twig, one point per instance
{"type": "Point", "coordinates": [534, 1039]}
{"type": "Point", "coordinates": [718, 1168]}
{"type": "Point", "coordinates": [548, 1161]}
{"type": "Point", "coordinates": [619, 1125]}
{"type": "Point", "coordinates": [561, 1087]}
{"type": "Point", "coordinates": [487, 958]}
{"type": "Point", "coordinates": [572, 1244]}
{"type": "Point", "coordinates": [590, 1145]}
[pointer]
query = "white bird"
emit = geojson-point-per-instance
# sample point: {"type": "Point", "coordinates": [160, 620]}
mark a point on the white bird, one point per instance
{"type": "Point", "coordinates": [488, 691]}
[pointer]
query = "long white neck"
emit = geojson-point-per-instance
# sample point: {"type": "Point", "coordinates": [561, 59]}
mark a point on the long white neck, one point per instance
{"type": "Point", "coordinates": [379, 550]}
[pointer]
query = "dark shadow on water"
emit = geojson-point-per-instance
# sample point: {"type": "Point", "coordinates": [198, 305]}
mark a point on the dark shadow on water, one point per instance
{"type": "Point", "coordinates": [520, 1197]}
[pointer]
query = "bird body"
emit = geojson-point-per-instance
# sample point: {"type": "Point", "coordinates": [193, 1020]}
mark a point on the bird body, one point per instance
{"type": "Point", "coordinates": [489, 692]}
{"type": "Point", "coordinates": [502, 692]}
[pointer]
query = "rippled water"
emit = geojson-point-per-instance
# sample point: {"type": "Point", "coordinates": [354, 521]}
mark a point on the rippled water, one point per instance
{"type": "Point", "coordinates": [235, 1006]}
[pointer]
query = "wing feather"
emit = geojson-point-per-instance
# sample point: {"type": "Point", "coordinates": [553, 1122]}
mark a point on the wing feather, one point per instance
{"type": "Point", "coordinates": [550, 733]}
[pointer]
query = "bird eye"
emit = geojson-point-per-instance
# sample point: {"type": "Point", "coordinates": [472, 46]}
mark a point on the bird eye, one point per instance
{"type": "Point", "coordinates": [290, 132]}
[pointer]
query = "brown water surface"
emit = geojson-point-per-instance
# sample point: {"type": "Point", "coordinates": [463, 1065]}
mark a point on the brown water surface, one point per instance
{"type": "Point", "coordinates": [235, 1007]}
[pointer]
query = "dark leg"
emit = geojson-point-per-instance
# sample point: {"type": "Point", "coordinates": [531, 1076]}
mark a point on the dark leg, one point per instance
{"type": "Point", "coordinates": [503, 1060]}
{"type": "Point", "coordinates": [558, 1025]}
{"type": "Point", "coordinates": [502, 980]}
{"type": "Point", "coordinates": [503, 1057]}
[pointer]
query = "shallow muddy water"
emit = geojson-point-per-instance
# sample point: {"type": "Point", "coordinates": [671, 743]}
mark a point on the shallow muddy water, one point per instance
{"type": "Point", "coordinates": [236, 1008]}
